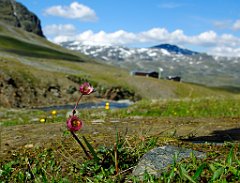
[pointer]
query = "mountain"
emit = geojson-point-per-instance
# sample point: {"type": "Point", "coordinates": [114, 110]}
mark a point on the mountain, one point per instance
{"type": "Point", "coordinates": [175, 49]}
{"type": "Point", "coordinates": [17, 15]}
{"type": "Point", "coordinates": [35, 72]}
{"type": "Point", "coordinates": [191, 66]}
{"type": "Point", "coordinates": [120, 53]}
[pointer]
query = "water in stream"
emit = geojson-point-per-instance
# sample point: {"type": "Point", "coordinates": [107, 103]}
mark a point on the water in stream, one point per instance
{"type": "Point", "coordinates": [89, 105]}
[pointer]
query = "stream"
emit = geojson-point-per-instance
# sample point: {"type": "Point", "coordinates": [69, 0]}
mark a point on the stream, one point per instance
{"type": "Point", "coordinates": [90, 105]}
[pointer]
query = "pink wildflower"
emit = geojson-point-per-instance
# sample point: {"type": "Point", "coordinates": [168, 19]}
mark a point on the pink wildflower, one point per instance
{"type": "Point", "coordinates": [86, 89]}
{"type": "Point", "coordinates": [74, 123]}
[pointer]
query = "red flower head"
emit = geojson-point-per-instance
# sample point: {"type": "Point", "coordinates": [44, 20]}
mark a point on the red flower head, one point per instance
{"type": "Point", "coordinates": [74, 123]}
{"type": "Point", "coordinates": [86, 89]}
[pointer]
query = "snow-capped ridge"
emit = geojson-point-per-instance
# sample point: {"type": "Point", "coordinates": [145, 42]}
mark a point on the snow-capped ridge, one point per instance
{"type": "Point", "coordinates": [190, 65]}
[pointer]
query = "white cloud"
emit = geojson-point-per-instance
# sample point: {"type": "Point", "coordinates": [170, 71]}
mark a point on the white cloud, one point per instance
{"type": "Point", "coordinates": [178, 36]}
{"type": "Point", "coordinates": [223, 24]}
{"type": "Point", "coordinates": [154, 34]}
{"type": "Point", "coordinates": [227, 24]}
{"type": "Point", "coordinates": [209, 36]}
{"type": "Point", "coordinates": [209, 40]}
{"type": "Point", "coordinates": [229, 40]}
{"type": "Point", "coordinates": [119, 37]}
{"type": "Point", "coordinates": [61, 38]}
{"type": "Point", "coordinates": [225, 51]}
{"type": "Point", "coordinates": [236, 25]}
{"type": "Point", "coordinates": [61, 29]}
{"type": "Point", "coordinates": [73, 11]}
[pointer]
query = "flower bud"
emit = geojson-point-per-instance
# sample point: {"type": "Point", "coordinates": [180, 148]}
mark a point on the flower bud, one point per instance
{"type": "Point", "coordinates": [86, 89]}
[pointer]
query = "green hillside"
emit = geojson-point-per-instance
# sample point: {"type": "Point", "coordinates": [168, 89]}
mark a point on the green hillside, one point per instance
{"type": "Point", "coordinates": [16, 40]}
{"type": "Point", "coordinates": [36, 72]}
{"type": "Point", "coordinates": [22, 48]}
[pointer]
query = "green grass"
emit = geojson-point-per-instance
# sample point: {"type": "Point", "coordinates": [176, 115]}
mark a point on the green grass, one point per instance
{"type": "Point", "coordinates": [63, 163]}
{"type": "Point", "coordinates": [15, 46]}
{"type": "Point", "coordinates": [205, 107]}
{"type": "Point", "coordinates": [20, 117]}
{"type": "Point", "coordinates": [216, 167]}
{"type": "Point", "coordinates": [199, 107]}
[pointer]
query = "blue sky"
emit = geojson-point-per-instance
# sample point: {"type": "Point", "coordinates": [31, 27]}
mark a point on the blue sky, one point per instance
{"type": "Point", "coordinates": [211, 26]}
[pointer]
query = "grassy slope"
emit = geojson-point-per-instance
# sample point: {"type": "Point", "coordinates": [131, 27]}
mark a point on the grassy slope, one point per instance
{"type": "Point", "coordinates": [45, 62]}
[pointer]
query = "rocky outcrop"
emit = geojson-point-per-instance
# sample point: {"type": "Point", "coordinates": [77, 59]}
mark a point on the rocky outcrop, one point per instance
{"type": "Point", "coordinates": [119, 93]}
{"type": "Point", "coordinates": [25, 89]}
{"type": "Point", "coordinates": [17, 15]}
{"type": "Point", "coordinates": [106, 92]}
{"type": "Point", "coordinates": [15, 94]}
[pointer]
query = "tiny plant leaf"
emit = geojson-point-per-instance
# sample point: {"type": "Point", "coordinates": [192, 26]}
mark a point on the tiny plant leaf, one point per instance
{"type": "Point", "coordinates": [199, 171]}
{"type": "Point", "coordinates": [91, 149]}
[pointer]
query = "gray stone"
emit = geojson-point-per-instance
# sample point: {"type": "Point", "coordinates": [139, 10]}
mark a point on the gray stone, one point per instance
{"type": "Point", "coordinates": [156, 160]}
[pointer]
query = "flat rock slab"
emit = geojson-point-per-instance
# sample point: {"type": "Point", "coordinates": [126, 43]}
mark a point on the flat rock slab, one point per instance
{"type": "Point", "coordinates": [156, 160]}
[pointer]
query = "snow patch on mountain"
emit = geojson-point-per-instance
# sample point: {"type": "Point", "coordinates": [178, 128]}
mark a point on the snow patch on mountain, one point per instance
{"type": "Point", "coordinates": [191, 66]}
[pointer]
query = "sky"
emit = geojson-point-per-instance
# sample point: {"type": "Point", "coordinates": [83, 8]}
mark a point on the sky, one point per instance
{"type": "Point", "coordinates": [211, 26]}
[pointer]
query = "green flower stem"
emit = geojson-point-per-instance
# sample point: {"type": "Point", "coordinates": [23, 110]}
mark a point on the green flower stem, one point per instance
{"type": "Point", "coordinates": [81, 144]}
{"type": "Point", "coordinates": [116, 158]}
{"type": "Point", "coordinates": [74, 135]}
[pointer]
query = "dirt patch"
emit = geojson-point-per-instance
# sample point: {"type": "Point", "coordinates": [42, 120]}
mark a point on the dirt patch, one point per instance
{"type": "Point", "coordinates": [104, 131]}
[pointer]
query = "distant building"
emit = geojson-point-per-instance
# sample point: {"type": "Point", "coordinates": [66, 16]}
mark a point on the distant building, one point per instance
{"type": "Point", "coordinates": [153, 74]}
{"type": "Point", "coordinates": [174, 78]}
